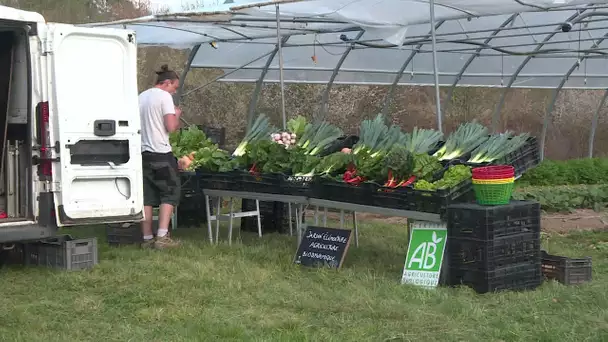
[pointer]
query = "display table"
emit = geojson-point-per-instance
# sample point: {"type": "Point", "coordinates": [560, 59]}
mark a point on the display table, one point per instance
{"type": "Point", "coordinates": [299, 201]}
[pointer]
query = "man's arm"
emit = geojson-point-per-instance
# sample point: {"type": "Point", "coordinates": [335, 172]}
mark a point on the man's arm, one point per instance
{"type": "Point", "coordinates": [171, 114]}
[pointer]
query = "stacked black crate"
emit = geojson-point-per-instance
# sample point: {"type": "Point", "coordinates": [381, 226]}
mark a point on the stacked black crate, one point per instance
{"type": "Point", "coordinates": [493, 248]}
{"type": "Point", "coordinates": [274, 217]}
{"type": "Point", "coordinates": [191, 209]}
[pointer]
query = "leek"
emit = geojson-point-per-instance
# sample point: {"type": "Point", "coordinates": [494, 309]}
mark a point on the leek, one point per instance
{"type": "Point", "coordinates": [466, 138]}
{"type": "Point", "coordinates": [260, 129]}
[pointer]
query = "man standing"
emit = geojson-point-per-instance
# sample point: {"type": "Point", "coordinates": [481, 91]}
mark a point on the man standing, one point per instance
{"type": "Point", "coordinates": [159, 118]}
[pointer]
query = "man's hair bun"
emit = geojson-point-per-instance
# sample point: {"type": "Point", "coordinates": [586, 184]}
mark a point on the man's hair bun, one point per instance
{"type": "Point", "coordinates": [164, 68]}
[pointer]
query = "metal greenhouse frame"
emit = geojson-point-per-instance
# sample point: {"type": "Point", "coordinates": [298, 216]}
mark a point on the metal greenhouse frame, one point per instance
{"type": "Point", "coordinates": [474, 43]}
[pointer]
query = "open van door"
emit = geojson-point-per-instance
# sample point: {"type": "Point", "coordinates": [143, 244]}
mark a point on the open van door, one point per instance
{"type": "Point", "coordinates": [93, 124]}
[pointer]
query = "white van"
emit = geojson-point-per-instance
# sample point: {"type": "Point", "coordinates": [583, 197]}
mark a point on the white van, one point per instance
{"type": "Point", "coordinates": [70, 128]}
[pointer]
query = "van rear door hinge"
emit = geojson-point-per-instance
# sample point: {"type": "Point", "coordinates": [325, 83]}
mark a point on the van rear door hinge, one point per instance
{"type": "Point", "coordinates": [49, 186]}
{"type": "Point", "coordinates": [47, 47]}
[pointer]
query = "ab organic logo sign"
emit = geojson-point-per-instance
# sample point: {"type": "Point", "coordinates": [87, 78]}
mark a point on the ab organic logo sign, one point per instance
{"type": "Point", "coordinates": [425, 254]}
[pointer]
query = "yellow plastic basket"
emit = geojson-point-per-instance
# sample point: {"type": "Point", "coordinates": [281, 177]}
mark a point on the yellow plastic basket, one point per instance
{"type": "Point", "coordinates": [494, 181]}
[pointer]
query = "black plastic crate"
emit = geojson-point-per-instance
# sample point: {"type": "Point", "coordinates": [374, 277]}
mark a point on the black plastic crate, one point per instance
{"type": "Point", "coordinates": [269, 183]}
{"type": "Point", "coordinates": [15, 255]}
{"type": "Point", "coordinates": [518, 277]}
{"type": "Point", "coordinates": [566, 270]}
{"type": "Point", "coordinates": [217, 135]}
{"type": "Point", "coordinates": [471, 220]}
{"type": "Point", "coordinates": [421, 200]}
{"type": "Point", "coordinates": [227, 181]}
{"type": "Point", "coordinates": [495, 253]}
{"type": "Point", "coordinates": [331, 190]}
{"type": "Point", "coordinates": [296, 185]}
{"type": "Point", "coordinates": [63, 252]}
{"type": "Point", "coordinates": [124, 234]}
{"type": "Point", "coordinates": [522, 159]}
{"type": "Point", "coordinates": [339, 144]}
{"type": "Point", "coordinates": [192, 197]}
{"type": "Point", "coordinates": [274, 217]}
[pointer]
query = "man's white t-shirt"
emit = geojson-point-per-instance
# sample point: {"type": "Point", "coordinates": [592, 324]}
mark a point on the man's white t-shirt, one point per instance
{"type": "Point", "coordinates": [154, 104]}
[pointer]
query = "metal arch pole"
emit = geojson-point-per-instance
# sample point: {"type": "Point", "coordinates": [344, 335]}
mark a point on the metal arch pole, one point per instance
{"type": "Point", "coordinates": [448, 99]}
{"type": "Point", "coordinates": [393, 86]}
{"type": "Point", "coordinates": [258, 86]}
{"type": "Point", "coordinates": [435, 68]}
{"type": "Point", "coordinates": [325, 96]}
{"type": "Point", "coordinates": [177, 98]}
{"type": "Point", "coordinates": [187, 67]}
{"type": "Point", "coordinates": [543, 135]}
{"type": "Point", "coordinates": [281, 80]}
{"type": "Point", "coordinates": [503, 94]}
{"type": "Point", "coordinates": [594, 122]}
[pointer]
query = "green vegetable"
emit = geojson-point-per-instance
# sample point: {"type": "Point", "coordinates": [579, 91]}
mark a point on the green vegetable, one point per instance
{"type": "Point", "coordinates": [453, 176]}
{"type": "Point", "coordinates": [370, 166]}
{"type": "Point", "coordinates": [188, 140]}
{"type": "Point", "coordinates": [212, 159]}
{"type": "Point", "coordinates": [497, 146]}
{"type": "Point", "coordinates": [267, 157]}
{"type": "Point", "coordinates": [318, 136]}
{"type": "Point", "coordinates": [467, 137]}
{"type": "Point", "coordinates": [398, 164]}
{"type": "Point", "coordinates": [425, 166]}
{"type": "Point", "coordinates": [260, 130]}
{"type": "Point", "coordinates": [421, 140]}
{"type": "Point", "coordinates": [302, 164]}
{"type": "Point", "coordinates": [297, 125]}
{"type": "Point", "coordinates": [335, 163]}
{"type": "Point", "coordinates": [375, 137]}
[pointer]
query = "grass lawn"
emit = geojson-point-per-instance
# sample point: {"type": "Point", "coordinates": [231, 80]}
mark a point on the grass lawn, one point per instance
{"type": "Point", "coordinates": [252, 292]}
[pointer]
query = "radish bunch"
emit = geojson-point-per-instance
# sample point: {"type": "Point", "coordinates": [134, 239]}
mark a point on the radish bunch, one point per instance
{"type": "Point", "coordinates": [284, 138]}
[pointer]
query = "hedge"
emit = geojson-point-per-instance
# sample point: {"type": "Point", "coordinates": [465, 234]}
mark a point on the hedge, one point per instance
{"type": "Point", "coordinates": [566, 198]}
{"type": "Point", "coordinates": [569, 172]}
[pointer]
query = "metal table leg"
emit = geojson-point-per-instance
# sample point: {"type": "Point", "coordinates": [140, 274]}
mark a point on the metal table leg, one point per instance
{"type": "Point", "coordinates": [230, 224]}
{"type": "Point", "coordinates": [290, 219]}
{"type": "Point", "coordinates": [209, 230]}
{"type": "Point", "coordinates": [355, 226]}
{"type": "Point", "coordinates": [217, 218]}
{"type": "Point", "coordinates": [257, 208]}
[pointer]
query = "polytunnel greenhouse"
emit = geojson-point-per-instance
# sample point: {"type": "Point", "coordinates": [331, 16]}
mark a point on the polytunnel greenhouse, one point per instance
{"type": "Point", "coordinates": [502, 44]}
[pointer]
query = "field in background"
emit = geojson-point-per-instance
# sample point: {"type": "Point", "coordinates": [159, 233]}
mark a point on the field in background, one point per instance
{"type": "Point", "coordinates": [252, 291]}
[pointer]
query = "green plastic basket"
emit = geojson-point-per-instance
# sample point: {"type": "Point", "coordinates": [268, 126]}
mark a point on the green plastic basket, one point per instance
{"type": "Point", "coordinates": [493, 194]}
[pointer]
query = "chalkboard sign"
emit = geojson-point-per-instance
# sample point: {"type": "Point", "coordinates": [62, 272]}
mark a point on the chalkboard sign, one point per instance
{"type": "Point", "coordinates": [323, 247]}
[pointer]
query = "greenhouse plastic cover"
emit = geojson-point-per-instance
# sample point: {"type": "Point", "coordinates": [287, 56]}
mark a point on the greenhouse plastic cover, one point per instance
{"type": "Point", "coordinates": [492, 43]}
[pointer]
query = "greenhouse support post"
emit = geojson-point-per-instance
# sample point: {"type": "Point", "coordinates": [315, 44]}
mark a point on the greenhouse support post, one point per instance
{"type": "Point", "coordinates": [435, 71]}
{"type": "Point", "coordinates": [494, 33]}
{"type": "Point", "coordinates": [596, 118]}
{"type": "Point", "coordinates": [549, 113]}
{"type": "Point", "coordinates": [391, 90]}
{"type": "Point", "coordinates": [334, 74]}
{"type": "Point", "coordinates": [503, 93]}
{"type": "Point", "coordinates": [258, 86]}
{"type": "Point", "coordinates": [282, 81]}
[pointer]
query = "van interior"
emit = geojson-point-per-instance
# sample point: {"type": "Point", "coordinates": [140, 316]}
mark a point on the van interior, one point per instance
{"type": "Point", "coordinates": [15, 139]}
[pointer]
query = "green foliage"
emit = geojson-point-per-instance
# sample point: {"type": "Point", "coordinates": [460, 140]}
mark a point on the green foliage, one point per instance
{"type": "Point", "coordinates": [566, 198]}
{"type": "Point", "coordinates": [453, 176]}
{"type": "Point", "coordinates": [569, 172]}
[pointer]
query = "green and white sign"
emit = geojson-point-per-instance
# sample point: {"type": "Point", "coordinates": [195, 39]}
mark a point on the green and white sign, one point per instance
{"type": "Point", "coordinates": [425, 254]}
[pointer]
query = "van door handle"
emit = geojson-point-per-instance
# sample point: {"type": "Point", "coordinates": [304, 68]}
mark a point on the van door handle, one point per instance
{"type": "Point", "coordinates": [104, 128]}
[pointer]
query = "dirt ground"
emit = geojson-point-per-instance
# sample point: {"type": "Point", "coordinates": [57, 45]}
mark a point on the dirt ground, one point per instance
{"type": "Point", "coordinates": [579, 220]}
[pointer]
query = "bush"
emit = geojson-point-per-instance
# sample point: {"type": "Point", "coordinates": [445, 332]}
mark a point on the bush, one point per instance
{"type": "Point", "coordinates": [566, 198]}
{"type": "Point", "coordinates": [569, 172]}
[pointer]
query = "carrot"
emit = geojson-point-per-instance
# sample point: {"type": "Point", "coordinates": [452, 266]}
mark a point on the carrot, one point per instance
{"type": "Point", "coordinates": [185, 162]}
